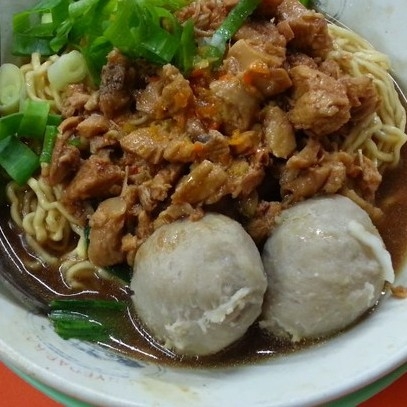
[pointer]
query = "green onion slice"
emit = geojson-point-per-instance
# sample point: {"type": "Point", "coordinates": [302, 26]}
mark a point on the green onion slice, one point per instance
{"type": "Point", "coordinates": [35, 118]}
{"type": "Point", "coordinates": [50, 137]}
{"type": "Point", "coordinates": [139, 28]}
{"type": "Point", "coordinates": [19, 161]}
{"type": "Point", "coordinates": [234, 20]}
{"type": "Point", "coordinates": [84, 319]}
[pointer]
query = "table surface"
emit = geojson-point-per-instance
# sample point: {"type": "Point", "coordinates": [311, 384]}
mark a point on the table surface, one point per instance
{"type": "Point", "coordinates": [18, 393]}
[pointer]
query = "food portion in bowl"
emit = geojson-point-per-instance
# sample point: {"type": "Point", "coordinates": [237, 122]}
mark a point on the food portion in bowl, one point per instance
{"type": "Point", "coordinates": [327, 265]}
{"type": "Point", "coordinates": [198, 285]}
{"type": "Point", "coordinates": [177, 153]}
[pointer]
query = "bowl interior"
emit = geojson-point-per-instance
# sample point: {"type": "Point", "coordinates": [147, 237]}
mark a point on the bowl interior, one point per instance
{"type": "Point", "coordinates": [339, 366]}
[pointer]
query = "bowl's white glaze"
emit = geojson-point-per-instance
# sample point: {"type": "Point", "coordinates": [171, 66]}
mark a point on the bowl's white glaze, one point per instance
{"type": "Point", "coordinates": [347, 363]}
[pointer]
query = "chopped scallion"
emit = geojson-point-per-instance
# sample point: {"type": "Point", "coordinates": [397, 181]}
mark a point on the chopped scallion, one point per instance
{"type": "Point", "coordinates": [187, 48]}
{"type": "Point", "coordinates": [50, 136]}
{"type": "Point", "coordinates": [139, 28]}
{"type": "Point", "coordinates": [31, 32]}
{"type": "Point", "coordinates": [54, 120]}
{"type": "Point", "coordinates": [10, 124]}
{"type": "Point", "coordinates": [34, 120]}
{"type": "Point", "coordinates": [306, 3]}
{"type": "Point", "coordinates": [18, 160]}
{"type": "Point", "coordinates": [12, 88]}
{"type": "Point", "coordinates": [84, 319]}
{"type": "Point", "coordinates": [234, 20]}
{"type": "Point", "coordinates": [35, 125]}
{"type": "Point", "coordinates": [70, 324]}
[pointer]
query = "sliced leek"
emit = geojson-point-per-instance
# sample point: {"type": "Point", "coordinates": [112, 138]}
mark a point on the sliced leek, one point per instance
{"type": "Point", "coordinates": [12, 88]}
{"type": "Point", "coordinates": [69, 68]}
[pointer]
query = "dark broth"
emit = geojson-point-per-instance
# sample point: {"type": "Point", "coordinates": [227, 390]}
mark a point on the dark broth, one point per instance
{"type": "Point", "coordinates": [392, 199]}
{"type": "Point", "coordinates": [44, 284]}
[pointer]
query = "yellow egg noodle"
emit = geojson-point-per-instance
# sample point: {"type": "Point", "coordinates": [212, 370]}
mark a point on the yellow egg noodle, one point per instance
{"type": "Point", "coordinates": [38, 86]}
{"type": "Point", "coordinates": [380, 136]}
{"type": "Point", "coordinates": [48, 227]}
{"type": "Point", "coordinates": [37, 210]}
{"type": "Point", "coordinates": [45, 80]}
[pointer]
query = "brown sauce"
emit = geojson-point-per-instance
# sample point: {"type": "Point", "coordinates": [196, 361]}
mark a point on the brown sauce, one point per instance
{"type": "Point", "coordinates": [46, 284]}
{"type": "Point", "coordinates": [392, 199]}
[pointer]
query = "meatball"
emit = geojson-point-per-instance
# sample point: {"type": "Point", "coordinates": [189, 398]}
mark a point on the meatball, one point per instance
{"type": "Point", "coordinates": [198, 285]}
{"type": "Point", "coordinates": [326, 265]}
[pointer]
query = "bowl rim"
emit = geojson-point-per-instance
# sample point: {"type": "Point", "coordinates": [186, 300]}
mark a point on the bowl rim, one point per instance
{"type": "Point", "coordinates": [389, 365]}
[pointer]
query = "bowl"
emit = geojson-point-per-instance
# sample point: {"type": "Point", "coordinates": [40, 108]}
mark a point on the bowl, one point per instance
{"type": "Point", "coordinates": [346, 369]}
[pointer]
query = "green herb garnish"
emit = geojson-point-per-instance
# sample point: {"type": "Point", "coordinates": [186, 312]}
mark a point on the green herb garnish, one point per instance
{"type": "Point", "coordinates": [216, 45]}
{"type": "Point", "coordinates": [139, 28]}
{"type": "Point", "coordinates": [89, 320]}
{"type": "Point", "coordinates": [21, 134]}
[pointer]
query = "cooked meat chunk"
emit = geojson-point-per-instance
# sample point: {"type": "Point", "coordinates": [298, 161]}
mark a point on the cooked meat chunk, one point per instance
{"type": "Point", "coordinates": [177, 211]}
{"type": "Point", "coordinates": [117, 81]}
{"type": "Point", "coordinates": [97, 177]}
{"type": "Point", "coordinates": [76, 99]}
{"type": "Point", "coordinates": [365, 178]}
{"type": "Point", "coordinates": [237, 104]}
{"type": "Point", "coordinates": [214, 147]}
{"type": "Point", "coordinates": [106, 232]}
{"type": "Point", "coordinates": [104, 143]}
{"type": "Point", "coordinates": [146, 142]}
{"type": "Point", "coordinates": [271, 82]}
{"type": "Point", "coordinates": [246, 174]}
{"type": "Point", "coordinates": [245, 142]}
{"type": "Point", "coordinates": [305, 29]}
{"type": "Point", "coordinates": [299, 58]}
{"type": "Point", "coordinates": [268, 8]}
{"type": "Point", "coordinates": [265, 42]}
{"type": "Point", "coordinates": [279, 135]}
{"type": "Point", "coordinates": [260, 226]}
{"type": "Point", "coordinates": [156, 190]}
{"type": "Point", "coordinates": [65, 161]}
{"type": "Point", "coordinates": [320, 102]}
{"type": "Point", "coordinates": [207, 15]}
{"type": "Point", "coordinates": [202, 185]}
{"type": "Point", "coordinates": [65, 157]}
{"type": "Point", "coordinates": [306, 173]}
{"type": "Point", "coordinates": [182, 151]}
{"type": "Point", "coordinates": [362, 95]}
{"type": "Point", "coordinates": [246, 56]}
{"type": "Point", "coordinates": [315, 171]}
{"type": "Point", "coordinates": [93, 125]}
{"type": "Point", "coordinates": [165, 95]}
{"type": "Point", "coordinates": [257, 57]}
{"type": "Point", "coordinates": [331, 68]}
{"type": "Point", "coordinates": [244, 177]}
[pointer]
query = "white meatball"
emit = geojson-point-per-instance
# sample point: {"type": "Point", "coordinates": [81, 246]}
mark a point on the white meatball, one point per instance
{"type": "Point", "coordinates": [326, 265]}
{"type": "Point", "coordinates": [198, 285]}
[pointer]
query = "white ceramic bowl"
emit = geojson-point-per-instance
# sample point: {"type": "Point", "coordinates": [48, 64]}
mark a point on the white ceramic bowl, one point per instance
{"type": "Point", "coordinates": [339, 367]}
